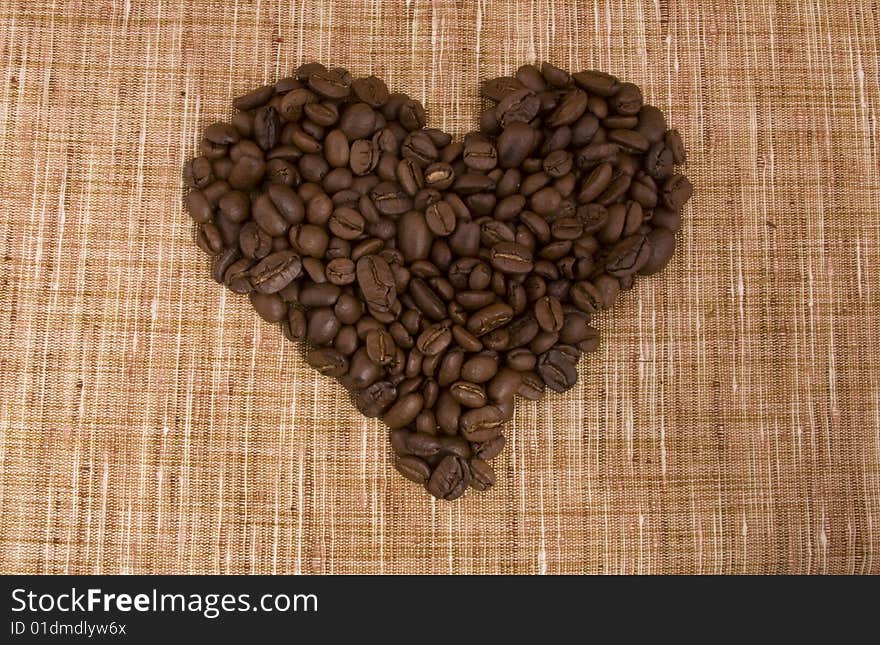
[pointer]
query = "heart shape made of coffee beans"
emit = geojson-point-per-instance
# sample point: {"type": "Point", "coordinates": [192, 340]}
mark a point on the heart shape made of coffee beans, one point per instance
{"type": "Point", "coordinates": [438, 279]}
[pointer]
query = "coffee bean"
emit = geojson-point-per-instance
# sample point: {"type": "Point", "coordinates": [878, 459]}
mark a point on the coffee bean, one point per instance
{"type": "Point", "coordinates": [414, 469]}
{"type": "Point", "coordinates": [470, 395]}
{"type": "Point", "coordinates": [404, 411]}
{"type": "Point", "coordinates": [254, 99]}
{"type": "Point", "coordinates": [374, 399]}
{"type": "Point", "coordinates": [434, 339]}
{"type": "Point", "coordinates": [673, 141]}
{"type": "Point", "coordinates": [370, 90]}
{"type": "Point", "coordinates": [319, 295]}
{"type": "Point", "coordinates": [481, 424]}
{"type": "Point", "coordinates": [489, 318]}
{"type": "Point", "coordinates": [482, 475]}
{"type": "Point", "coordinates": [450, 478]}
{"type": "Point", "coordinates": [596, 82]}
{"type": "Point", "coordinates": [328, 361]}
{"type": "Point", "coordinates": [480, 368]}
{"type": "Point", "coordinates": [662, 243]}
{"type": "Point", "coordinates": [557, 370]}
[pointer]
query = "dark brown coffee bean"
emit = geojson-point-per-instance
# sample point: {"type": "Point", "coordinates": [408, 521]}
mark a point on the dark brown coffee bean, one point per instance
{"type": "Point", "coordinates": [548, 313]}
{"type": "Point", "coordinates": [340, 271]}
{"type": "Point", "coordinates": [246, 173]}
{"type": "Point", "coordinates": [450, 367]}
{"type": "Point", "coordinates": [557, 370]}
{"type": "Point", "coordinates": [374, 399]}
{"type": "Point", "coordinates": [489, 318]}
{"type": "Point", "coordinates": [434, 340]}
{"type": "Point", "coordinates": [497, 88]}
{"type": "Point", "coordinates": [309, 240]}
{"type": "Point", "coordinates": [470, 395]}
{"type": "Point", "coordinates": [628, 256]}
{"type": "Point", "coordinates": [514, 144]}
{"type": "Point", "coordinates": [370, 90]}
{"type": "Point", "coordinates": [267, 127]}
{"type": "Point", "coordinates": [346, 341]}
{"type": "Point", "coordinates": [630, 140]}
{"type": "Point", "coordinates": [404, 411]}
{"type": "Point", "coordinates": [380, 346]}
{"type": "Point", "coordinates": [510, 257]}
{"type": "Point", "coordinates": [482, 475]}
{"type": "Point", "coordinates": [254, 98]}
{"type": "Point", "coordinates": [450, 478]}
{"type": "Point", "coordinates": [412, 115]}
{"type": "Point", "coordinates": [376, 281]}
{"type": "Point", "coordinates": [275, 271]}
{"type": "Point", "coordinates": [569, 110]}
{"type": "Point", "coordinates": [269, 306]}
{"type": "Point", "coordinates": [481, 424]}
{"type": "Point", "coordinates": [662, 243]}
{"type": "Point", "coordinates": [414, 469]}
{"type": "Point", "coordinates": [626, 100]}
{"type": "Point", "coordinates": [267, 216]}
{"type": "Point", "coordinates": [328, 361]}
{"type": "Point", "coordinates": [488, 449]}
{"type": "Point", "coordinates": [677, 190]}
{"type": "Point", "coordinates": [319, 295]}
{"type": "Point", "coordinates": [480, 368]}
{"type": "Point", "coordinates": [673, 141]}
{"type": "Point", "coordinates": [426, 422]}
{"type": "Point", "coordinates": [422, 444]}
{"type": "Point", "coordinates": [358, 121]}
{"type": "Point", "coordinates": [346, 223]}
{"type": "Point", "coordinates": [209, 239]}
{"type": "Point", "coordinates": [334, 83]}
{"type": "Point", "coordinates": [596, 82]}
{"type": "Point", "coordinates": [323, 326]}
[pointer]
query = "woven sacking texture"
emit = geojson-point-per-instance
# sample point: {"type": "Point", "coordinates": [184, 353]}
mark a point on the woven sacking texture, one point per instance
{"type": "Point", "coordinates": [151, 423]}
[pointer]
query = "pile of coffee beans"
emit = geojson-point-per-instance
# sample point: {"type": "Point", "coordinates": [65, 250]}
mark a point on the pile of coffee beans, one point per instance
{"type": "Point", "coordinates": [437, 279]}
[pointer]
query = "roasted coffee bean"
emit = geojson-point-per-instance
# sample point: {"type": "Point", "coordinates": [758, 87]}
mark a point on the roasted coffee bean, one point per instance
{"type": "Point", "coordinates": [414, 469]}
{"type": "Point", "coordinates": [434, 340]}
{"type": "Point", "coordinates": [370, 90]}
{"type": "Point", "coordinates": [323, 326]}
{"type": "Point", "coordinates": [489, 318]}
{"type": "Point", "coordinates": [673, 141]}
{"type": "Point", "coordinates": [328, 361]}
{"type": "Point", "coordinates": [254, 98]}
{"type": "Point", "coordinates": [439, 279]}
{"type": "Point", "coordinates": [480, 368]}
{"type": "Point", "coordinates": [470, 395]}
{"type": "Point", "coordinates": [269, 306]}
{"type": "Point", "coordinates": [628, 256]}
{"type": "Point", "coordinates": [346, 341]}
{"type": "Point", "coordinates": [488, 449]}
{"type": "Point", "coordinates": [596, 82]}
{"type": "Point", "coordinates": [676, 191]}
{"type": "Point", "coordinates": [662, 243]}
{"type": "Point", "coordinates": [374, 399]}
{"type": "Point", "coordinates": [404, 411]}
{"type": "Point", "coordinates": [482, 474]}
{"type": "Point", "coordinates": [334, 83]}
{"type": "Point", "coordinates": [557, 370]}
{"type": "Point", "coordinates": [340, 271]}
{"type": "Point", "coordinates": [267, 127]}
{"type": "Point", "coordinates": [481, 424]}
{"type": "Point", "coordinates": [548, 313]}
{"type": "Point", "coordinates": [275, 271]}
{"type": "Point", "coordinates": [450, 478]}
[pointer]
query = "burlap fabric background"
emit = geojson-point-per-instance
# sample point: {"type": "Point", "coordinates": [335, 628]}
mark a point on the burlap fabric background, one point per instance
{"type": "Point", "coordinates": [151, 423]}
